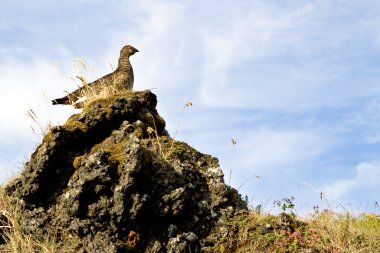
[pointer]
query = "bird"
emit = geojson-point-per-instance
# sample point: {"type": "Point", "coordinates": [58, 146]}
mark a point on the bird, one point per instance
{"type": "Point", "coordinates": [121, 79]}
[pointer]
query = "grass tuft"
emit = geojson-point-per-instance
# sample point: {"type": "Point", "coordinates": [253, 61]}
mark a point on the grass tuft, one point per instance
{"type": "Point", "coordinates": [325, 232]}
{"type": "Point", "coordinates": [16, 238]}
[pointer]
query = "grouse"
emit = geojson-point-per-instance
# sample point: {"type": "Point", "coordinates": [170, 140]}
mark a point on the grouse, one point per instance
{"type": "Point", "coordinates": [121, 78]}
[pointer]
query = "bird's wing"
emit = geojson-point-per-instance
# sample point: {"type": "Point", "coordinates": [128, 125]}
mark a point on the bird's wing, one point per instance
{"type": "Point", "coordinates": [91, 88]}
{"type": "Point", "coordinates": [86, 90]}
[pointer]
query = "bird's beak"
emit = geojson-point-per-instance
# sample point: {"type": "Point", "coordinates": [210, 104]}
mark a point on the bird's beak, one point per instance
{"type": "Point", "coordinates": [135, 50]}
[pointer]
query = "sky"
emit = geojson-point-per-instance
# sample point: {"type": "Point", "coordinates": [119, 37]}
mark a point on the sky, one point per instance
{"type": "Point", "coordinates": [294, 83]}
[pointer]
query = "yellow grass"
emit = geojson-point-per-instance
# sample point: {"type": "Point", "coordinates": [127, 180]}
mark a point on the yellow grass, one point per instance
{"type": "Point", "coordinates": [19, 239]}
{"type": "Point", "coordinates": [326, 232]}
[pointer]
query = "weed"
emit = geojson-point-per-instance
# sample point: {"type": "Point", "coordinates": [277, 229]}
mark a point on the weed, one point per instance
{"type": "Point", "coordinates": [153, 134]}
{"type": "Point", "coordinates": [325, 231]}
{"type": "Point", "coordinates": [286, 204]}
{"type": "Point", "coordinates": [41, 130]}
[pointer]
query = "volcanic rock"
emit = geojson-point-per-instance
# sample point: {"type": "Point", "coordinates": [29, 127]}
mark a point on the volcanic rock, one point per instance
{"type": "Point", "coordinates": [113, 178]}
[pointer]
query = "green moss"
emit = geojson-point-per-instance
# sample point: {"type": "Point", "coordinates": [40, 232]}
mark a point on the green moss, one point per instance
{"type": "Point", "coordinates": [173, 147]}
{"type": "Point", "coordinates": [104, 102]}
{"type": "Point", "coordinates": [179, 148]}
{"type": "Point", "coordinates": [72, 125]}
{"type": "Point", "coordinates": [139, 132]}
{"type": "Point", "coordinates": [108, 113]}
{"type": "Point", "coordinates": [116, 152]}
{"type": "Point", "coordinates": [77, 161]}
{"type": "Point", "coordinates": [47, 137]}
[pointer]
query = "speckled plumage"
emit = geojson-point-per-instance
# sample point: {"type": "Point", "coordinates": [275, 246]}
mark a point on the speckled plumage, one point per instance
{"type": "Point", "coordinates": [121, 78]}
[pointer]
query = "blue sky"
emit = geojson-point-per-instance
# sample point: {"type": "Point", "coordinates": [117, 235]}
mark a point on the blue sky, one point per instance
{"type": "Point", "coordinates": [295, 83]}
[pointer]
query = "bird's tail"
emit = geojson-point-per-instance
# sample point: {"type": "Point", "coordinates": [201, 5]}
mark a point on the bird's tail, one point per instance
{"type": "Point", "coordinates": [60, 101]}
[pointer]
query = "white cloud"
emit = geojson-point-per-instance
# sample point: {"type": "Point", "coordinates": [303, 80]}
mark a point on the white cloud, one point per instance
{"type": "Point", "coordinates": [276, 150]}
{"type": "Point", "coordinates": [265, 55]}
{"type": "Point", "coordinates": [373, 138]}
{"type": "Point", "coordinates": [373, 23]}
{"type": "Point", "coordinates": [367, 177]}
{"type": "Point", "coordinates": [159, 32]}
{"type": "Point", "coordinates": [247, 39]}
{"type": "Point", "coordinates": [367, 115]}
{"type": "Point", "coordinates": [362, 122]}
{"type": "Point", "coordinates": [262, 55]}
{"type": "Point", "coordinates": [293, 58]}
{"type": "Point", "coordinates": [25, 87]}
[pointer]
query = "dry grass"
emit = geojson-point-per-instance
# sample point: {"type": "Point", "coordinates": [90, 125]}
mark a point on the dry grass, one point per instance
{"type": "Point", "coordinates": [346, 233]}
{"type": "Point", "coordinates": [18, 239]}
{"type": "Point", "coordinates": [39, 128]}
{"type": "Point", "coordinates": [326, 232]}
{"type": "Point", "coordinates": [153, 134]}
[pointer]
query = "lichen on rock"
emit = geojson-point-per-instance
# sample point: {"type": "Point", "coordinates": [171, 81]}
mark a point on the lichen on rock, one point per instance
{"type": "Point", "coordinates": [104, 178]}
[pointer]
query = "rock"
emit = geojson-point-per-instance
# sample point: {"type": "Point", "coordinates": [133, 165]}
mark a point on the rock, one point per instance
{"type": "Point", "coordinates": [106, 178]}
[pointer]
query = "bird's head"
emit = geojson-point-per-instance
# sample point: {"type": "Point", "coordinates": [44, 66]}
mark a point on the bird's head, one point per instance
{"type": "Point", "coordinates": [128, 50]}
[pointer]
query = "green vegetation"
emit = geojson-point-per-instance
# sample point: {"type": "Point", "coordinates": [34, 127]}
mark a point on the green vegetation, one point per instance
{"type": "Point", "coordinates": [175, 146]}
{"type": "Point", "coordinates": [325, 231]}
